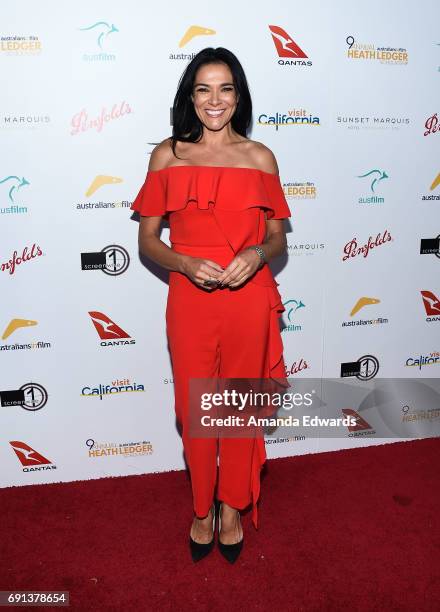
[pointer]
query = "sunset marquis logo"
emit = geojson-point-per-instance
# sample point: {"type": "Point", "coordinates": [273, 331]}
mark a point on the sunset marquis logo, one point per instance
{"type": "Point", "coordinates": [373, 177]}
{"type": "Point", "coordinates": [434, 186]}
{"type": "Point", "coordinates": [297, 249]}
{"type": "Point", "coordinates": [27, 254]}
{"type": "Point", "coordinates": [296, 367]}
{"type": "Point", "coordinates": [81, 122]}
{"type": "Point", "coordinates": [124, 385]}
{"type": "Point", "coordinates": [373, 122]}
{"type": "Point", "coordinates": [10, 186]}
{"type": "Point", "coordinates": [432, 306]}
{"type": "Point", "coordinates": [295, 116]}
{"type": "Point", "coordinates": [20, 45]}
{"type": "Point", "coordinates": [23, 121]}
{"type": "Point", "coordinates": [118, 449]}
{"type": "Point", "coordinates": [430, 246]}
{"type": "Point", "coordinates": [193, 31]}
{"type": "Point", "coordinates": [13, 326]}
{"type": "Point", "coordinates": [289, 53]}
{"type": "Point", "coordinates": [112, 260]}
{"type": "Point", "coordinates": [368, 51]}
{"type": "Point", "coordinates": [109, 332]}
{"type": "Point", "coordinates": [420, 361]}
{"type": "Point", "coordinates": [102, 181]}
{"type": "Point", "coordinates": [432, 125]}
{"type": "Point", "coordinates": [30, 396]}
{"type": "Point", "coordinates": [99, 32]}
{"type": "Point", "coordinates": [30, 459]}
{"type": "Point", "coordinates": [362, 427]}
{"type": "Point", "coordinates": [352, 249]}
{"type": "Point", "coordinates": [360, 304]}
{"type": "Point", "coordinates": [300, 191]}
{"type": "Point", "coordinates": [292, 307]}
{"type": "Point", "coordinates": [365, 368]}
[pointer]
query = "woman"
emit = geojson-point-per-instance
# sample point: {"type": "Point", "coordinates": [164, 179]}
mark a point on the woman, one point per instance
{"type": "Point", "coordinates": [222, 196]}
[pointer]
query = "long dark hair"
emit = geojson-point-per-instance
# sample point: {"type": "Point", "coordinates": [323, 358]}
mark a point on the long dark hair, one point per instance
{"type": "Point", "coordinates": [187, 127]}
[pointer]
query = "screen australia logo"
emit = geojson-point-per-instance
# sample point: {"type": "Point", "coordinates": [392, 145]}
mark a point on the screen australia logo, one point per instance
{"type": "Point", "coordinates": [109, 332]}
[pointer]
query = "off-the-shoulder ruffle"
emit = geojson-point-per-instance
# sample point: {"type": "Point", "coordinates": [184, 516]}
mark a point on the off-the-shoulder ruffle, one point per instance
{"type": "Point", "coordinates": [227, 188]}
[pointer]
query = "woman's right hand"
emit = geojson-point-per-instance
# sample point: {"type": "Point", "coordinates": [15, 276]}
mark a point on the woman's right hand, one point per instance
{"type": "Point", "coordinates": [198, 270]}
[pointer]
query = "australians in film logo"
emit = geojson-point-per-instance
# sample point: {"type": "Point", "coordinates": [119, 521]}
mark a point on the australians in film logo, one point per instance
{"type": "Point", "coordinates": [294, 309]}
{"type": "Point", "coordinates": [432, 125]}
{"type": "Point", "coordinates": [109, 332]}
{"type": "Point", "coordinates": [365, 368]}
{"type": "Point", "coordinates": [361, 303]}
{"type": "Point", "coordinates": [300, 191]}
{"type": "Point", "coordinates": [20, 45]}
{"type": "Point", "coordinates": [30, 459]}
{"type": "Point", "coordinates": [99, 36]}
{"type": "Point", "coordinates": [294, 116]}
{"type": "Point", "coordinates": [113, 260]}
{"type": "Point", "coordinates": [20, 324]}
{"type": "Point", "coordinates": [373, 179]}
{"type": "Point", "coordinates": [434, 187]}
{"type": "Point", "coordinates": [82, 122]}
{"type": "Point", "coordinates": [9, 189]}
{"type": "Point", "coordinates": [115, 387]}
{"type": "Point", "coordinates": [432, 306]}
{"type": "Point", "coordinates": [352, 248]}
{"type": "Point", "coordinates": [191, 33]}
{"type": "Point", "coordinates": [118, 449]}
{"type": "Point", "coordinates": [18, 258]}
{"type": "Point", "coordinates": [430, 246]}
{"type": "Point", "coordinates": [102, 181]}
{"type": "Point", "coordinates": [288, 51]}
{"type": "Point", "coordinates": [368, 51]}
{"type": "Point", "coordinates": [30, 396]}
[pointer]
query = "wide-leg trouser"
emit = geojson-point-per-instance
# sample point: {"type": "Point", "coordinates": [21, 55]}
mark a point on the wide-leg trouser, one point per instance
{"type": "Point", "coordinates": [220, 333]}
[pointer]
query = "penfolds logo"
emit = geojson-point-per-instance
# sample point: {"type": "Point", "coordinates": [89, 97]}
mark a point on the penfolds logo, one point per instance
{"type": "Point", "coordinates": [16, 259]}
{"type": "Point", "coordinates": [296, 367]}
{"type": "Point", "coordinates": [81, 122]}
{"type": "Point", "coordinates": [352, 249]}
{"type": "Point", "coordinates": [432, 125]}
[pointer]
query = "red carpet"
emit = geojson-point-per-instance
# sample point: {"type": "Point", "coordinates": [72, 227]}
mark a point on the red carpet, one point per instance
{"type": "Point", "coordinates": [347, 530]}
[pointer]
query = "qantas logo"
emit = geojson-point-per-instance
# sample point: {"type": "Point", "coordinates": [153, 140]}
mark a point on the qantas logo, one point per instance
{"type": "Point", "coordinates": [109, 332]}
{"type": "Point", "coordinates": [30, 458]}
{"type": "Point", "coordinates": [432, 306]}
{"type": "Point", "coordinates": [289, 52]}
{"type": "Point", "coordinates": [361, 424]}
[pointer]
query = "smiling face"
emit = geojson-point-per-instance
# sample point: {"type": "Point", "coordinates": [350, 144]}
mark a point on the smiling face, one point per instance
{"type": "Point", "coordinates": [214, 95]}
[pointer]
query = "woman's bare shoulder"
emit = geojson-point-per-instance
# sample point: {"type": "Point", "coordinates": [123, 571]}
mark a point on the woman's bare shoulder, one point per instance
{"type": "Point", "coordinates": [262, 157]}
{"type": "Point", "coordinates": [161, 155]}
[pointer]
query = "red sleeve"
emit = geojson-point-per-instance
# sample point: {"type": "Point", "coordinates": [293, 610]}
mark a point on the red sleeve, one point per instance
{"type": "Point", "coordinates": [278, 207]}
{"type": "Point", "coordinates": [151, 199]}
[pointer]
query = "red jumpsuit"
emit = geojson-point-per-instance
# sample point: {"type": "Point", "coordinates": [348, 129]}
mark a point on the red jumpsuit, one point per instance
{"type": "Point", "coordinates": [213, 213]}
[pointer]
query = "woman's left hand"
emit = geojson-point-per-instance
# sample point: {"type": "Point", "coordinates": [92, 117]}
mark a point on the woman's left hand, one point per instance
{"type": "Point", "coordinates": [242, 267]}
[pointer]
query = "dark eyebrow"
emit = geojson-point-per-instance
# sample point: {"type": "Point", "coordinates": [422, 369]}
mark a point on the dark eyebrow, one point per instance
{"type": "Point", "coordinates": [205, 85]}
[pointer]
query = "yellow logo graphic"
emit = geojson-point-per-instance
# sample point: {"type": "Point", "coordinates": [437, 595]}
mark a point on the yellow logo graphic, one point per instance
{"type": "Point", "coordinates": [435, 183]}
{"type": "Point", "coordinates": [194, 31]}
{"type": "Point", "coordinates": [16, 324]}
{"type": "Point", "coordinates": [101, 180]}
{"type": "Point", "coordinates": [363, 301]}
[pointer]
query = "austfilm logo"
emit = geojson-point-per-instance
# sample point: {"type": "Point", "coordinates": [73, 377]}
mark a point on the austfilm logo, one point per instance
{"type": "Point", "coordinates": [292, 306]}
{"type": "Point", "coordinates": [113, 260]}
{"type": "Point", "coordinates": [13, 326]}
{"type": "Point", "coordinates": [100, 34]}
{"type": "Point", "coordinates": [11, 185]}
{"type": "Point", "coordinates": [30, 396]}
{"type": "Point", "coordinates": [361, 303]}
{"type": "Point", "coordinates": [192, 32]}
{"type": "Point", "coordinates": [289, 52]}
{"type": "Point", "coordinates": [30, 459]}
{"type": "Point", "coordinates": [109, 332]}
{"type": "Point", "coordinates": [368, 51]}
{"type": "Point", "coordinates": [373, 178]}
{"type": "Point", "coordinates": [118, 449]}
{"type": "Point", "coordinates": [100, 181]}
{"type": "Point", "coordinates": [365, 368]}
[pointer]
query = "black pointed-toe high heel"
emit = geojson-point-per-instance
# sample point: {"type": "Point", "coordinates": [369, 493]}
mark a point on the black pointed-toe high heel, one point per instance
{"type": "Point", "coordinates": [199, 551]}
{"type": "Point", "coordinates": [231, 552]}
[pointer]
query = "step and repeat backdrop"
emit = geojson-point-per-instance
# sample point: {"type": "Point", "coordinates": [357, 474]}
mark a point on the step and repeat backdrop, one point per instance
{"type": "Point", "coordinates": [346, 96]}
